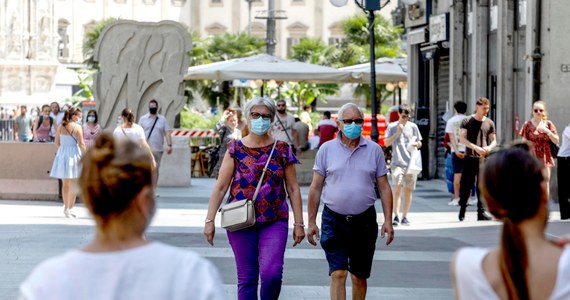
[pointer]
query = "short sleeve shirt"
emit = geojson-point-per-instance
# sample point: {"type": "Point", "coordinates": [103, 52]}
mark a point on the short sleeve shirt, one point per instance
{"type": "Point", "coordinates": [540, 141]}
{"type": "Point", "coordinates": [350, 174]}
{"type": "Point", "coordinates": [327, 128]}
{"type": "Point", "coordinates": [400, 154]}
{"type": "Point", "coordinates": [271, 202]}
{"type": "Point", "coordinates": [135, 133]}
{"type": "Point", "coordinates": [283, 131]}
{"type": "Point", "coordinates": [156, 138]}
{"type": "Point", "coordinates": [453, 125]}
{"type": "Point", "coordinates": [477, 133]}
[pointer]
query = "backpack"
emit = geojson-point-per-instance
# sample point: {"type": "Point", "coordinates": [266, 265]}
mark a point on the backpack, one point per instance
{"type": "Point", "coordinates": [42, 119]}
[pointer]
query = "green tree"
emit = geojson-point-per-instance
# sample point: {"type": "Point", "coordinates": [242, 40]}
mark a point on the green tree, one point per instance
{"type": "Point", "coordinates": [220, 48]}
{"type": "Point", "coordinates": [90, 39]}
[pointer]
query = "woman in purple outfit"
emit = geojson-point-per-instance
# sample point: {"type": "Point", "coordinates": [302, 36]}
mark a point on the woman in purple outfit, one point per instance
{"type": "Point", "coordinates": [259, 250]}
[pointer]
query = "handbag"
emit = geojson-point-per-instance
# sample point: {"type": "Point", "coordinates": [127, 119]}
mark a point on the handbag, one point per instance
{"type": "Point", "coordinates": [553, 148]}
{"type": "Point", "coordinates": [240, 214]}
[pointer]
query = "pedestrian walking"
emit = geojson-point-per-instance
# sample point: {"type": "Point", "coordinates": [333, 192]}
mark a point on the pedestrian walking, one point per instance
{"type": "Point", "coordinates": [156, 130]}
{"type": "Point", "coordinates": [346, 172]}
{"type": "Point", "coordinates": [327, 128]}
{"type": "Point", "coordinates": [119, 263]}
{"type": "Point", "coordinates": [541, 132]}
{"type": "Point", "coordinates": [457, 150]}
{"type": "Point", "coordinates": [564, 174]}
{"type": "Point", "coordinates": [526, 264]}
{"type": "Point", "coordinates": [405, 138]}
{"type": "Point", "coordinates": [23, 126]}
{"type": "Point", "coordinates": [69, 140]}
{"type": "Point", "coordinates": [283, 127]}
{"type": "Point", "coordinates": [227, 130]}
{"type": "Point", "coordinates": [259, 250]}
{"type": "Point", "coordinates": [91, 129]}
{"type": "Point", "coordinates": [478, 136]}
{"type": "Point", "coordinates": [43, 125]}
{"type": "Point", "coordinates": [128, 129]}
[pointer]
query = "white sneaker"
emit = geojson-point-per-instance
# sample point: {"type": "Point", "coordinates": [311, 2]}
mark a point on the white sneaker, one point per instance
{"type": "Point", "coordinates": [66, 212]}
{"type": "Point", "coordinates": [71, 213]}
{"type": "Point", "coordinates": [454, 202]}
{"type": "Point", "coordinates": [472, 201]}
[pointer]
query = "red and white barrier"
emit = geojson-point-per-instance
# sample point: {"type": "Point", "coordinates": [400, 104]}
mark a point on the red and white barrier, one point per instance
{"type": "Point", "coordinates": [194, 133]}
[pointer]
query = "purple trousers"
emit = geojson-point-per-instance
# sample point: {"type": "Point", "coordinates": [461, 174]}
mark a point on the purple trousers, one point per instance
{"type": "Point", "coordinates": [259, 252]}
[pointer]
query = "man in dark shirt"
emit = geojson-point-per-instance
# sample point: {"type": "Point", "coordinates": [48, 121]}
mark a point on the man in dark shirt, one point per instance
{"type": "Point", "coordinates": [478, 135]}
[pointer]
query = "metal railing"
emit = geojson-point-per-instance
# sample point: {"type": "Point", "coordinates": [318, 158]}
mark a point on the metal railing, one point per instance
{"type": "Point", "coordinates": [7, 130]}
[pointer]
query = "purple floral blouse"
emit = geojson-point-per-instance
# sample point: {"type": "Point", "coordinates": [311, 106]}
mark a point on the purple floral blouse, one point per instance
{"type": "Point", "coordinates": [271, 202]}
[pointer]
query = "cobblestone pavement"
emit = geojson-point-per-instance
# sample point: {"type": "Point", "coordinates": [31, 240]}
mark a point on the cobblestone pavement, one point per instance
{"type": "Point", "coordinates": [415, 266]}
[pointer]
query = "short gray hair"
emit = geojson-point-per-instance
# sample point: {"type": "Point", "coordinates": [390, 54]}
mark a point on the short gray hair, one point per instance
{"type": "Point", "coordinates": [349, 106]}
{"type": "Point", "coordinates": [265, 101]}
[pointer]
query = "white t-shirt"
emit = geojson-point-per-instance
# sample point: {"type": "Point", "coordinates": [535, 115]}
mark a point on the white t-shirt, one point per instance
{"type": "Point", "coordinates": [453, 125]}
{"type": "Point", "coordinates": [283, 131]}
{"type": "Point", "coordinates": [135, 133]}
{"type": "Point", "coordinates": [152, 271]}
{"type": "Point", "coordinates": [161, 128]}
{"type": "Point", "coordinates": [471, 282]}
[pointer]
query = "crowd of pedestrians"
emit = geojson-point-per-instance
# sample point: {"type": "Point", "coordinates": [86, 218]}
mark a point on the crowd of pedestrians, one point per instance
{"type": "Point", "coordinates": [349, 174]}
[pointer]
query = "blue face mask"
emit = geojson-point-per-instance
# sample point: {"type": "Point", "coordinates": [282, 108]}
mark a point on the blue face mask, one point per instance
{"type": "Point", "coordinates": [260, 126]}
{"type": "Point", "coordinates": [352, 131]}
{"type": "Point", "coordinates": [91, 119]}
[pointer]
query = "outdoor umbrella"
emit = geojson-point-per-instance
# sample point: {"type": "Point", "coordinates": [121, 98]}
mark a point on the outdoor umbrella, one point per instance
{"type": "Point", "coordinates": [387, 70]}
{"type": "Point", "coordinates": [268, 67]}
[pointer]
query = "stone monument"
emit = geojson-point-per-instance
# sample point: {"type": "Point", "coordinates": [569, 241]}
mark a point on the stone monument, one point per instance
{"type": "Point", "coordinates": [138, 62]}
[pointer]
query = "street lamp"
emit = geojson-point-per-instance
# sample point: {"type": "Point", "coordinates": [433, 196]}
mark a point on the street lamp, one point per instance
{"type": "Point", "coordinates": [369, 6]}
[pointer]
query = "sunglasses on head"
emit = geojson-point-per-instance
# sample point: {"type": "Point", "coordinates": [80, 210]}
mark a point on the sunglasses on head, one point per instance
{"type": "Point", "coordinates": [349, 121]}
{"type": "Point", "coordinates": [255, 115]}
{"type": "Point", "coordinates": [538, 110]}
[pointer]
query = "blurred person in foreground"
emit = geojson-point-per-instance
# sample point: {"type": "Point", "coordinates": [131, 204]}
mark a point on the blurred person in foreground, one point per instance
{"type": "Point", "coordinates": [345, 174]}
{"type": "Point", "coordinates": [526, 265]}
{"type": "Point", "coordinates": [259, 250]}
{"type": "Point", "coordinates": [119, 263]}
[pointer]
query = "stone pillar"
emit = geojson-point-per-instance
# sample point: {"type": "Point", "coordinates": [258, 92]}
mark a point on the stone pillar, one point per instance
{"type": "Point", "coordinates": [479, 50]}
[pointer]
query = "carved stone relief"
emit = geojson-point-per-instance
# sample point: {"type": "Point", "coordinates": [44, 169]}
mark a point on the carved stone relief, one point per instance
{"type": "Point", "coordinates": [139, 62]}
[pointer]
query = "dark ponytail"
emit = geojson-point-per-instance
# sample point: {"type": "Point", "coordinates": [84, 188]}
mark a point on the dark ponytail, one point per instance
{"type": "Point", "coordinates": [511, 186]}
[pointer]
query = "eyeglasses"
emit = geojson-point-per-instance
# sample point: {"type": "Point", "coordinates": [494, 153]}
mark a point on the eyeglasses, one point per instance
{"type": "Point", "coordinates": [536, 110]}
{"type": "Point", "coordinates": [281, 105]}
{"type": "Point", "coordinates": [255, 115]}
{"type": "Point", "coordinates": [349, 121]}
{"type": "Point", "coordinates": [405, 112]}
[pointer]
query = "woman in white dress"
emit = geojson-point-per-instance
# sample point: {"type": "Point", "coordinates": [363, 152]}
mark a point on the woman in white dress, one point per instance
{"type": "Point", "coordinates": [119, 263]}
{"type": "Point", "coordinates": [526, 264]}
{"type": "Point", "coordinates": [69, 139]}
{"type": "Point", "coordinates": [128, 129]}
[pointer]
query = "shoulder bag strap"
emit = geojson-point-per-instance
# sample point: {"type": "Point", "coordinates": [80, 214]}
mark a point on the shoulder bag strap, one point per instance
{"type": "Point", "coordinates": [264, 169]}
{"type": "Point", "coordinates": [285, 129]}
{"type": "Point", "coordinates": [70, 133]}
{"type": "Point", "coordinates": [152, 128]}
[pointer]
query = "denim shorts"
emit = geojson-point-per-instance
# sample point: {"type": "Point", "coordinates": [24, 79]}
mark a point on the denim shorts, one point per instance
{"type": "Point", "coordinates": [349, 242]}
{"type": "Point", "coordinates": [457, 164]}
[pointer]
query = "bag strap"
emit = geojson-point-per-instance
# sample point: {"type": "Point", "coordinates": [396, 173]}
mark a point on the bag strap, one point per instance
{"type": "Point", "coordinates": [71, 133]}
{"type": "Point", "coordinates": [285, 129]}
{"type": "Point", "coordinates": [152, 128]}
{"type": "Point", "coordinates": [264, 169]}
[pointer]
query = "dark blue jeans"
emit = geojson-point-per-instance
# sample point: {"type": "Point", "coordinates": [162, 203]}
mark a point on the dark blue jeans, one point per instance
{"type": "Point", "coordinates": [260, 252]}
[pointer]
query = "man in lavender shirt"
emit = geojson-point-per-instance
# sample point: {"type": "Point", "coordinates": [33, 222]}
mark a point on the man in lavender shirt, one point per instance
{"type": "Point", "coordinates": [346, 172]}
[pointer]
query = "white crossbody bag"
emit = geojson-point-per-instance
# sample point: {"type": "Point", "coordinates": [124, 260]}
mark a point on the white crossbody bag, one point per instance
{"type": "Point", "coordinates": [240, 214]}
